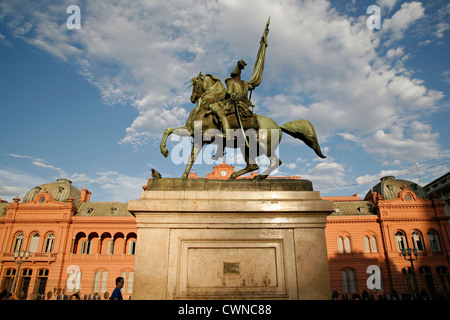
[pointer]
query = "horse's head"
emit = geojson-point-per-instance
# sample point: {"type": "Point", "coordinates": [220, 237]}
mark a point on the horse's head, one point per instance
{"type": "Point", "coordinates": [198, 87]}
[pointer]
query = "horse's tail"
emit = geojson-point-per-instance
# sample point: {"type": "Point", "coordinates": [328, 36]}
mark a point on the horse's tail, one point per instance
{"type": "Point", "coordinates": [303, 130]}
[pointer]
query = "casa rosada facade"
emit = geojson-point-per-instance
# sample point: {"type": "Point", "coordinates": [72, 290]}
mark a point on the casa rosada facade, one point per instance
{"type": "Point", "coordinates": [55, 242]}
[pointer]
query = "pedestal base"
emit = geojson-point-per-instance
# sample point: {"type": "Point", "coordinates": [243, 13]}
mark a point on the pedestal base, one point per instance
{"type": "Point", "coordinates": [231, 240]}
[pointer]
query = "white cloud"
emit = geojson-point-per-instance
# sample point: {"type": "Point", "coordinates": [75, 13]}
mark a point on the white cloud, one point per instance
{"type": "Point", "coordinates": [421, 145]}
{"type": "Point", "coordinates": [386, 4]}
{"type": "Point", "coordinates": [408, 14]}
{"type": "Point", "coordinates": [15, 183]}
{"type": "Point", "coordinates": [326, 175]}
{"type": "Point", "coordinates": [110, 185]}
{"type": "Point", "coordinates": [320, 65]}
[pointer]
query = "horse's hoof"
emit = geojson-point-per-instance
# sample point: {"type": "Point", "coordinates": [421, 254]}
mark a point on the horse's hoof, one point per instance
{"type": "Point", "coordinates": [164, 152]}
{"type": "Point", "coordinates": [260, 177]}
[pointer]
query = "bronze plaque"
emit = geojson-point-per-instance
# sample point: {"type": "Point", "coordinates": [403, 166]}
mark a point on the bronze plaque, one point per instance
{"type": "Point", "coordinates": [229, 267]}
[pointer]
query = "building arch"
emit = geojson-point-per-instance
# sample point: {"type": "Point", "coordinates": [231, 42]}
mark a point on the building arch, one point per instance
{"type": "Point", "coordinates": [79, 243]}
{"type": "Point", "coordinates": [417, 240]}
{"type": "Point", "coordinates": [34, 240]}
{"type": "Point", "coordinates": [434, 241]}
{"type": "Point", "coordinates": [18, 241]}
{"type": "Point", "coordinates": [401, 240]}
{"type": "Point", "coordinates": [131, 242]}
{"type": "Point", "coordinates": [49, 243]}
{"type": "Point", "coordinates": [119, 243]}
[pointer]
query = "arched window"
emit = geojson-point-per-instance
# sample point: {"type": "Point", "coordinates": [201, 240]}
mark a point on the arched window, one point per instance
{"type": "Point", "coordinates": [8, 279]}
{"type": "Point", "coordinates": [18, 241]}
{"type": "Point", "coordinates": [434, 241]}
{"type": "Point", "coordinates": [49, 242]}
{"type": "Point", "coordinates": [41, 283]}
{"type": "Point", "coordinates": [34, 243]}
{"type": "Point", "coordinates": [340, 245]}
{"type": "Point", "coordinates": [130, 281]}
{"type": "Point", "coordinates": [348, 281]}
{"type": "Point", "coordinates": [373, 244]}
{"type": "Point", "coordinates": [347, 246]}
{"type": "Point", "coordinates": [366, 244]}
{"type": "Point", "coordinates": [96, 285]}
{"type": "Point", "coordinates": [401, 241]}
{"type": "Point", "coordinates": [104, 281]}
{"type": "Point", "coordinates": [417, 240]}
{"type": "Point", "coordinates": [427, 279]}
{"type": "Point", "coordinates": [370, 245]}
{"type": "Point", "coordinates": [409, 279]}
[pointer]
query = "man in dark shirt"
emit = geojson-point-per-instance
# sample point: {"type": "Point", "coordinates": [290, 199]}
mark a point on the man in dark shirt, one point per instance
{"type": "Point", "coordinates": [117, 295]}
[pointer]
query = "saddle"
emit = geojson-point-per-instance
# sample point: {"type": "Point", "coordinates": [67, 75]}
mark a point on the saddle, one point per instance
{"type": "Point", "coordinates": [246, 116]}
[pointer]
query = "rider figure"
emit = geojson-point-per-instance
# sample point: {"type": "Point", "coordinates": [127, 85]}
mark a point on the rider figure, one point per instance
{"type": "Point", "coordinates": [236, 95]}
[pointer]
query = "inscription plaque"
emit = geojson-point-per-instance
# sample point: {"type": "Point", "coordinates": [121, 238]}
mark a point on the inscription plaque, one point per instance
{"type": "Point", "coordinates": [229, 267]}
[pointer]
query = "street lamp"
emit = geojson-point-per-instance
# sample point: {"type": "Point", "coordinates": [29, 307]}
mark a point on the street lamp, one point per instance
{"type": "Point", "coordinates": [409, 252]}
{"type": "Point", "coordinates": [19, 258]}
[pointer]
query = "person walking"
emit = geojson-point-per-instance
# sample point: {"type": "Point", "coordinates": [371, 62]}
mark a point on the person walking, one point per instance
{"type": "Point", "coordinates": [117, 294]}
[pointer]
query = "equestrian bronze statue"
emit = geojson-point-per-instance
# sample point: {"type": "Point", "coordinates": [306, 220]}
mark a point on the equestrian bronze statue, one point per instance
{"type": "Point", "coordinates": [224, 116]}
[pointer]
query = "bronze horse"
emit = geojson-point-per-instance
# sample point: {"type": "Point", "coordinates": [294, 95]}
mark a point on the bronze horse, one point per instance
{"type": "Point", "coordinates": [265, 139]}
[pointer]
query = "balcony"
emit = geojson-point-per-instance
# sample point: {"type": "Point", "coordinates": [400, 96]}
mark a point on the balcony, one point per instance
{"type": "Point", "coordinates": [101, 257]}
{"type": "Point", "coordinates": [34, 257]}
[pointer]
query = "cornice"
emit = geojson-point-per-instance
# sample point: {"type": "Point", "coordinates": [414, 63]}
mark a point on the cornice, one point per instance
{"type": "Point", "coordinates": [104, 222]}
{"type": "Point", "coordinates": [43, 208]}
{"type": "Point", "coordinates": [31, 221]}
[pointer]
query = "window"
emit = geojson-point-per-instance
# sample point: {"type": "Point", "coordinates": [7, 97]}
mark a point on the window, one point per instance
{"type": "Point", "coordinates": [370, 245]}
{"type": "Point", "coordinates": [132, 247]}
{"type": "Point", "coordinates": [41, 282]}
{"type": "Point", "coordinates": [427, 279]}
{"type": "Point", "coordinates": [417, 241]}
{"type": "Point", "coordinates": [401, 241]}
{"type": "Point", "coordinates": [408, 277]}
{"type": "Point", "coordinates": [340, 245]}
{"type": "Point", "coordinates": [110, 247]}
{"type": "Point", "coordinates": [8, 279]}
{"type": "Point", "coordinates": [24, 283]}
{"type": "Point", "coordinates": [348, 281]}
{"type": "Point", "coordinates": [104, 281]}
{"type": "Point", "coordinates": [434, 241]}
{"type": "Point", "coordinates": [347, 245]}
{"type": "Point", "coordinates": [34, 242]}
{"type": "Point", "coordinates": [18, 241]}
{"type": "Point", "coordinates": [373, 244]}
{"type": "Point", "coordinates": [96, 285]}
{"type": "Point", "coordinates": [74, 278]}
{"type": "Point", "coordinates": [366, 244]}
{"type": "Point", "coordinates": [443, 279]}
{"type": "Point", "coordinates": [130, 282]}
{"type": "Point", "coordinates": [49, 242]}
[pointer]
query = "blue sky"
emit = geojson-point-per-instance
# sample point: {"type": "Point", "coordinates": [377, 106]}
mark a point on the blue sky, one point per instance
{"type": "Point", "coordinates": [91, 104]}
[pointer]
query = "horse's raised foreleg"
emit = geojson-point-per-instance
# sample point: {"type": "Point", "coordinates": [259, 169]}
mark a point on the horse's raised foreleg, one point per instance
{"type": "Point", "coordinates": [181, 131]}
{"type": "Point", "coordinates": [196, 148]}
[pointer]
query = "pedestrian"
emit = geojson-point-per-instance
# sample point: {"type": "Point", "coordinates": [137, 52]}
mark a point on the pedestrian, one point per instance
{"type": "Point", "coordinates": [75, 296]}
{"type": "Point", "coordinates": [117, 294]}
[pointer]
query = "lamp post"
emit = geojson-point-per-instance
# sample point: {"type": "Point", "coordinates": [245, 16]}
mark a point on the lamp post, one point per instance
{"type": "Point", "coordinates": [409, 252]}
{"type": "Point", "coordinates": [19, 258]}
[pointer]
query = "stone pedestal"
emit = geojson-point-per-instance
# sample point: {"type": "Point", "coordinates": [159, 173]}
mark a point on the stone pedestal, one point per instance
{"type": "Point", "coordinates": [210, 239]}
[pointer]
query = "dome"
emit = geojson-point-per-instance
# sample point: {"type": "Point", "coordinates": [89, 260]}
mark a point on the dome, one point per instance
{"type": "Point", "coordinates": [389, 188]}
{"type": "Point", "coordinates": [61, 190]}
